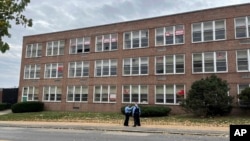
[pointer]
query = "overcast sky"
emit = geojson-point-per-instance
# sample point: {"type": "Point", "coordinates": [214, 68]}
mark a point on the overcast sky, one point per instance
{"type": "Point", "coordinates": [58, 15]}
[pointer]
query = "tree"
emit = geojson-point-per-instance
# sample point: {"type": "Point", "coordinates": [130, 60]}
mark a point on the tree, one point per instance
{"type": "Point", "coordinates": [208, 97]}
{"type": "Point", "coordinates": [11, 10]}
{"type": "Point", "coordinates": [244, 98]}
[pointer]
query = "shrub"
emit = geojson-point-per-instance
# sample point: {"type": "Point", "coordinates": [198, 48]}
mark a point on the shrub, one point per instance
{"type": "Point", "coordinates": [4, 106]}
{"type": "Point", "coordinates": [152, 111]}
{"type": "Point", "coordinates": [208, 97]}
{"type": "Point", "coordinates": [22, 107]}
{"type": "Point", "coordinates": [244, 97]}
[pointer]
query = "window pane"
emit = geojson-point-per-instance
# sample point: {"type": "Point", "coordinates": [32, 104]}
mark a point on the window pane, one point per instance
{"type": "Point", "coordinates": [241, 27]}
{"type": "Point", "coordinates": [144, 38]}
{"type": "Point", "coordinates": [127, 40]}
{"type": "Point", "coordinates": [221, 64]}
{"type": "Point", "coordinates": [169, 64]}
{"type": "Point", "coordinates": [242, 60]}
{"type": "Point", "coordinates": [169, 35]}
{"type": "Point", "coordinates": [136, 39]}
{"type": "Point", "coordinates": [196, 32]}
{"type": "Point", "coordinates": [179, 68]}
{"type": "Point", "coordinates": [159, 36]}
{"type": "Point", "coordinates": [179, 34]}
{"type": "Point", "coordinates": [169, 94]}
{"type": "Point", "coordinates": [197, 62]}
{"type": "Point", "coordinates": [208, 31]}
{"type": "Point", "coordinates": [159, 65]}
{"type": "Point", "coordinates": [219, 30]}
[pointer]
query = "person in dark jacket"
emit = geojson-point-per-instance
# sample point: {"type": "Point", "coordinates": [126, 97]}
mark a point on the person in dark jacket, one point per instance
{"type": "Point", "coordinates": [127, 111]}
{"type": "Point", "coordinates": [136, 112]}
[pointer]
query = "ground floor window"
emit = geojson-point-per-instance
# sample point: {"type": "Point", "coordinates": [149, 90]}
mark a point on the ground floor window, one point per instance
{"type": "Point", "coordinates": [52, 94]}
{"type": "Point", "coordinates": [135, 93]}
{"type": "Point", "coordinates": [30, 94]}
{"type": "Point", "coordinates": [169, 94]}
{"type": "Point", "coordinates": [105, 93]}
{"type": "Point", "coordinates": [77, 94]}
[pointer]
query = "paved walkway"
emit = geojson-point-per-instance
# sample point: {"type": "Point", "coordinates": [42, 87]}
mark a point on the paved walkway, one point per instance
{"type": "Point", "coordinates": [160, 129]}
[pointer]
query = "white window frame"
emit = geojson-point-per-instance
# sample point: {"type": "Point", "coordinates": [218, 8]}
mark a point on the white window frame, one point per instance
{"type": "Point", "coordinates": [51, 68]}
{"type": "Point", "coordinates": [110, 65]}
{"type": "Point", "coordinates": [214, 62]}
{"type": "Point", "coordinates": [174, 64]}
{"type": "Point", "coordinates": [129, 92]}
{"type": "Point", "coordinates": [213, 30]}
{"type": "Point", "coordinates": [59, 48]}
{"type": "Point", "coordinates": [29, 68]}
{"type": "Point", "coordinates": [84, 65]}
{"type": "Point", "coordinates": [30, 91]}
{"type": "Point", "coordinates": [34, 49]}
{"type": "Point", "coordinates": [82, 89]}
{"type": "Point", "coordinates": [56, 88]}
{"type": "Point", "coordinates": [248, 60]}
{"type": "Point", "coordinates": [139, 66]}
{"type": "Point", "coordinates": [85, 43]}
{"type": "Point", "coordinates": [175, 94]}
{"type": "Point", "coordinates": [140, 37]}
{"type": "Point", "coordinates": [109, 93]}
{"type": "Point", "coordinates": [247, 26]}
{"type": "Point", "coordinates": [112, 38]}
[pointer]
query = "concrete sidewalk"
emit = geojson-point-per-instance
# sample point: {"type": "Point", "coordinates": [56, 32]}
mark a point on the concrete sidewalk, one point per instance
{"type": "Point", "coordinates": [159, 129]}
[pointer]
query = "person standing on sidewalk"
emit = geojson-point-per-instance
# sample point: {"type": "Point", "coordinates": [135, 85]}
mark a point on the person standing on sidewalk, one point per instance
{"type": "Point", "coordinates": [127, 111]}
{"type": "Point", "coordinates": [136, 112]}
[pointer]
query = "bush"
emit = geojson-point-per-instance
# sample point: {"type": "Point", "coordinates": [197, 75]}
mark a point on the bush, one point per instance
{"type": "Point", "coordinates": [244, 97]}
{"type": "Point", "coordinates": [22, 107]}
{"type": "Point", "coordinates": [4, 106]}
{"type": "Point", "coordinates": [208, 97]}
{"type": "Point", "coordinates": [152, 111]}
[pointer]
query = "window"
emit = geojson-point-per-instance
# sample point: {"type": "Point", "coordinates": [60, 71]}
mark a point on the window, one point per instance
{"type": "Point", "coordinates": [105, 68]}
{"type": "Point", "coordinates": [170, 64]}
{"type": "Point", "coordinates": [106, 42]}
{"type": "Point", "coordinates": [52, 94]}
{"type": "Point", "coordinates": [241, 87]}
{"type": "Point", "coordinates": [135, 93]}
{"type": "Point", "coordinates": [136, 39]}
{"type": "Point", "coordinates": [135, 66]}
{"type": "Point", "coordinates": [169, 35]}
{"type": "Point", "coordinates": [77, 94]}
{"type": "Point", "coordinates": [54, 70]}
{"type": "Point", "coordinates": [209, 31]}
{"type": "Point", "coordinates": [79, 45]}
{"type": "Point", "coordinates": [30, 94]}
{"type": "Point", "coordinates": [55, 48]}
{"type": "Point", "coordinates": [243, 57]}
{"type": "Point", "coordinates": [169, 94]}
{"type": "Point", "coordinates": [210, 62]}
{"type": "Point", "coordinates": [32, 71]}
{"type": "Point", "coordinates": [78, 69]}
{"type": "Point", "coordinates": [34, 50]}
{"type": "Point", "coordinates": [242, 27]}
{"type": "Point", "coordinates": [105, 93]}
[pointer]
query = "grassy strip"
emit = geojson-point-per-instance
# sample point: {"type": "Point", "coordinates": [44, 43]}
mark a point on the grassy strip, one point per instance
{"type": "Point", "coordinates": [118, 118]}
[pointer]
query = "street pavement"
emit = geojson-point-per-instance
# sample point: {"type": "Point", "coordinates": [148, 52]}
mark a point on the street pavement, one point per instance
{"type": "Point", "coordinates": [159, 129]}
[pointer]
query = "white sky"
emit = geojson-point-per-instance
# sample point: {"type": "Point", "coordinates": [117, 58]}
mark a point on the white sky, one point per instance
{"type": "Point", "coordinates": [58, 15]}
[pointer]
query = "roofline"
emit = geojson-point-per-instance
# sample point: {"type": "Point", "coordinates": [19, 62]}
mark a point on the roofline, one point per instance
{"type": "Point", "coordinates": [137, 20]}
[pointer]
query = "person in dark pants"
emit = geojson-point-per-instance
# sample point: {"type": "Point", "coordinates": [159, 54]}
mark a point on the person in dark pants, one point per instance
{"type": "Point", "coordinates": [136, 112]}
{"type": "Point", "coordinates": [127, 111]}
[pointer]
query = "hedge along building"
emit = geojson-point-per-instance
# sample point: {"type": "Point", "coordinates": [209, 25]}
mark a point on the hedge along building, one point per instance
{"type": "Point", "coordinates": [150, 61]}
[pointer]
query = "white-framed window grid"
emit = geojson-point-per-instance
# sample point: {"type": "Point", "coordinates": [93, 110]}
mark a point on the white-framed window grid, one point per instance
{"type": "Point", "coordinates": [135, 93]}
{"type": "Point", "coordinates": [30, 93]}
{"type": "Point", "coordinates": [78, 69]}
{"type": "Point", "coordinates": [32, 71]}
{"type": "Point", "coordinates": [34, 50]}
{"type": "Point", "coordinates": [242, 27]}
{"type": "Point", "coordinates": [77, 94]}
{"type": "Point", "coordinates": [105, 94]}
{"type": "Point", "coordinates": [170, 35]}
{"type": "Point", "coordinates": [53, 70]}
{"type": "Point", "coordinates": [243, 60]}
{"type": "Point", "coordinates": [170, 64]}
{"type": "Point", "coordinates": [135, 66]}
{"type": "Point", "coordinates": [170, 94]}
{"type": "Point", "coordinates": [55, 48]}
{"type": "Point", "coordinates": [79, 45]}
{"type": "Point", "coordinates": [52, 94]}
{"type": "Point", "coordinates": [136, 39]}
{"type": "Point", "coordinates": [108, 42]}
{"type": "Point", "coordinates": [210, 62]}
{"type": "Point", "coordinates": [105, 68]}
{"type": "Point", "coordinates": [209, 31]}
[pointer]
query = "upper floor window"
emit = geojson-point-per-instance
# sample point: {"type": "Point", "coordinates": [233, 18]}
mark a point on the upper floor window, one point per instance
{"type": "Point", "coordinates": [242, 27]}
{"type": "Point", "coordinates": [243, 60]}
{"type": "Point", "coordinates": [77, 94]}
{"type": "Point", "coordinates": [32, 71]}
{"type": "Point", "coordinates": [106, 42]}
{"type": "Point", "coordinates": [210, 62]}
{"type": "Point", "coordinates": [30, 94]}
{"type": "Point", "coordinates": [135, 93]}
{"type": "Point", "coordinates": [135, 39]}
{"type": "Point", "coordinates": [135, 66]}
{"type": "Point", "coordinates": [105, 93]}
{"type": "Point", "coordinates": [54, 70]}
{"type": "Point", "coordinates": [79, 45]}
{"type": "Point", "coordinates": [170, 64]}
{"type": "Point", "coordinates": [34, 50]}
{"type": "Point", "coordinates": [106, 68]}
{"type": "Point", "coordinates": [209, 31]}
{"type": "Point", "coordinates": [52, 93]}
{"type": "Point", "coordinates": [55, 48]}
{"type": "Point", "coordinates": [78, 69]}
{"type": "Point", "coordinates": [169, 35]}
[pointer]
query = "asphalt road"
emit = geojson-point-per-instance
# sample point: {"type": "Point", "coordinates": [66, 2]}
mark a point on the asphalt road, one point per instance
{"type": "Point", "coordinates": [43, 134]}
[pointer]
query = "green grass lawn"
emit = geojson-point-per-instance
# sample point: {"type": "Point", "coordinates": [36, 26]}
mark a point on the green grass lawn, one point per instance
{"type": "Point", "coordinates": [187, 120]}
